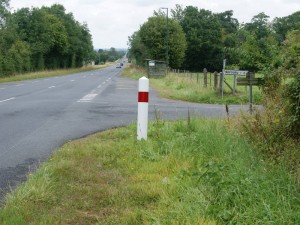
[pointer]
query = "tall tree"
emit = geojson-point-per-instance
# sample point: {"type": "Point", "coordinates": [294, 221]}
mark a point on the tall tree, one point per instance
{"type": "Point", "coordinates": [137, 50]}
{"type": "Point", "coordinates": [204, 39]}
{"type": "Point", "coordinates": [282, 25]}
{"type": "Point", "coordinates": [177, 13]}
{"type": "Point", "coordinates": [259, 25]}
{"type": "Point", "coordinates": [229, 29]}
{"type": "Point", "coordinates": [151, 38]}
{"type": "Point", "coordinates": [259, 47]}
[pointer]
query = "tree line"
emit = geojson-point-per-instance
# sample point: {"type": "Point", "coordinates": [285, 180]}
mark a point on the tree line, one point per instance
{"type": "Point", "coordinates": [199, 38]}
{"type": "Point", "coordinates": [34, 39]}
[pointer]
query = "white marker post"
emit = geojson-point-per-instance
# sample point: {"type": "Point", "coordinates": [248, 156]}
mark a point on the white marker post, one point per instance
{"type": "Point", "coordinates": [143, 98]}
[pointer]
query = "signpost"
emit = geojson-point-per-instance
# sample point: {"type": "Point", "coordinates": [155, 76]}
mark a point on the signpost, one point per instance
{"type": "Point", "coordinates": [250, 80]}
{"type": "Point", "coordinates": [236, 72]}
{"type": "Point", "coordinates": [246, 82]}
{"type": "Point", "coordinates": [222, 78]}
{"type": "Point", "coordinates": [152, 63]}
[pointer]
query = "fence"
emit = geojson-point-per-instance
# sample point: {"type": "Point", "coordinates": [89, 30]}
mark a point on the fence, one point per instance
{"type": "Point", "coordinates": [207, 79]}
{"type": "Point", "coordinates": [214, 80]}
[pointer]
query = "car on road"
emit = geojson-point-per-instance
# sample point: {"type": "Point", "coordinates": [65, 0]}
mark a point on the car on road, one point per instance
{"type": "Point", "coordinates": [118, 65]}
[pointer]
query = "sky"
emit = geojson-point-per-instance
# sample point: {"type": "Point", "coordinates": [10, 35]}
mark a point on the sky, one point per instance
{"type": "Point", "coordinates": [112, 21]}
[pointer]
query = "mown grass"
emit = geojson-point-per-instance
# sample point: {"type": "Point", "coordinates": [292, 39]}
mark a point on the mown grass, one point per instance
{"type": "Point", "coordinates": [50, 73]}
{"type": "Point", "coordinates": [186, 87]}
{"type": "Point", "coordinates": [193, 171]}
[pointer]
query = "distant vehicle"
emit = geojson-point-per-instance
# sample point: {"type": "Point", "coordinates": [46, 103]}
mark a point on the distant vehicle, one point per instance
{"type": "Point", "coordinates": [118, 65]}
{"type": "Point", "coordinates": [121, 64]}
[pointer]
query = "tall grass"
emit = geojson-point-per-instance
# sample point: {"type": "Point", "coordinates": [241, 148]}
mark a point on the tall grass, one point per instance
{"type": "Point", "coordinates": [186, 87]}
{"type": "Point", "coordinates": [193, 171]}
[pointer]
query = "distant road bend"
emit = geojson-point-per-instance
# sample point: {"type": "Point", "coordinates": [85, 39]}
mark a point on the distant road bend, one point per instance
{"type": "Point", "coordinates": [38, 116]}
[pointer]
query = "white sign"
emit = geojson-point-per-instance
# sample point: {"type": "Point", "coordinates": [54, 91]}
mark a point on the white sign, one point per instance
{"type": "Point", "coordinates": [236, 72]}
{"type": "Point", "coordinates": [151, 63]}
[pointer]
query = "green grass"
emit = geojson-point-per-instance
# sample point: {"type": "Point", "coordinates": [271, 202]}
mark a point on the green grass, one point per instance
{"type": "Point", "coordinates": [50, 73]}
{"type": "Point", "coordinates": [186, 88]}
{"type": "Point", "coordinates": [188, 172]}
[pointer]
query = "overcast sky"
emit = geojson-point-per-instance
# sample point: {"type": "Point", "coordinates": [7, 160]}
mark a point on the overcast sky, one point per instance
{"type": "Point", "coordinates": [112, 21]}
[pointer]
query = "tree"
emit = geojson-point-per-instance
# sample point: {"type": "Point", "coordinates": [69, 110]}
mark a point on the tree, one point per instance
{"type": "Point", "coordinates": [259, 25]}
{"type": "Point", "coordinates": [137, 50]}
{"type": "Point", "coordinates": [229, 30]}
{"type": "Point", "coordinates": [150, 41]}
{"type": "Point", "coordinates": [258, 45]}
{"type": "Point", "coordinates": [80, 47]}
{"type": "Point", "coordinates": [282, 25]}
{"type": "Point", "coordinates": [177, 13]}
{"type": "Point", "coordinates": [204, 39]}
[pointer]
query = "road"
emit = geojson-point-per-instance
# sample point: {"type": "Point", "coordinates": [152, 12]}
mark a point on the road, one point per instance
{"type": "Point", "coordinates": [38, 116]}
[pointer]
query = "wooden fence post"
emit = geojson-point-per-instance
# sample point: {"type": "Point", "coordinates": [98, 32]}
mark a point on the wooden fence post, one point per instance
{"type": "Point", "coordinates": [221, 84]}
{"type": "Point", "coordinates": [215, 80]}
{"type": "Point", "coordinates": [205, 77]}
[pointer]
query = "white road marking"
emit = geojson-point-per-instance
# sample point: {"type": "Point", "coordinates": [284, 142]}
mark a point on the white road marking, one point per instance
{"type": "Point", "coordinates": [88, 98]}
{"type": "Point", "coordinates": [72, 80]}
{"type": "Point", "coordinates": [34, 82]}
{"type": "Point", "coordinates": [99, 86]}
{"type": "Point", "coordinates": [2, 88]}
{"type": "Point", "coordinates": [7, 99]}
{"type": "Point", "coordinates": [51, 87]}
{"type": "Point", "coordinates": [84, 76]}
{"type": "Point", "coordinates": [18, 85]}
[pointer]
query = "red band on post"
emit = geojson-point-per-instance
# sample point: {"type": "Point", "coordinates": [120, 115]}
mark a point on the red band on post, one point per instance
{"type": "Point", "coordinates": [143, 96]}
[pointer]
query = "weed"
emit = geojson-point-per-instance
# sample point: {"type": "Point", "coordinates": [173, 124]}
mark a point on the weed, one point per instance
{"type": "Point", "coordinates": [192, 171]}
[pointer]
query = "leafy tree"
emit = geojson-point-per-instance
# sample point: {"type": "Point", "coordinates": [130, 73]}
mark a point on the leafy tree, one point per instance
{"type": "Point", "coordinates": [228, 23]}
{"type": "Point", "coordinates": [18, 58]}
{"type": "Point", "coordinates": [177, 13]}
{"type": "Point", "coordinates": [153, 36]}
{"type": "Point", "coordinates": [150, 41]}
{"type": "Point", "coordinates": [229, 30]}
{"type": "Point", "coordinates": [137, 50]}
{"type": "Point", "coordinates": [257, 54]}
{"type": "Point", "coordinates": [259, 25]}
{"type": "Point", "coordinates": [258, 45]}
{"type": "Point", "coordinates": [79, 48]}
{"type": "Point", "coordinates": [283, 25]}
{"type": "Point", "coordinates": [103, 57]}
{"type": "Point", "coordinates": [204, 39]}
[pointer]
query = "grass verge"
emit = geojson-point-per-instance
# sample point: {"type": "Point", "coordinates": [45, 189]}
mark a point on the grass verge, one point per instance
{"type": "Point", "coordinates": [186, 87]}
{"type": "Point", "coordinates": [188, 172]}
{"type": "Point", "coordinates": [50, 73]}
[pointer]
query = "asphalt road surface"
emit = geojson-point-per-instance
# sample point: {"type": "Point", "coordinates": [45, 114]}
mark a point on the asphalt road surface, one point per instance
{"type": "Point", "coordinates": [38, 116]}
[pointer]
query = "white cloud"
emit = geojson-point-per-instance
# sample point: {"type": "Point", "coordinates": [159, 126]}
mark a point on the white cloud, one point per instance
{"type": "Point", "coordinates": [112, 21]}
